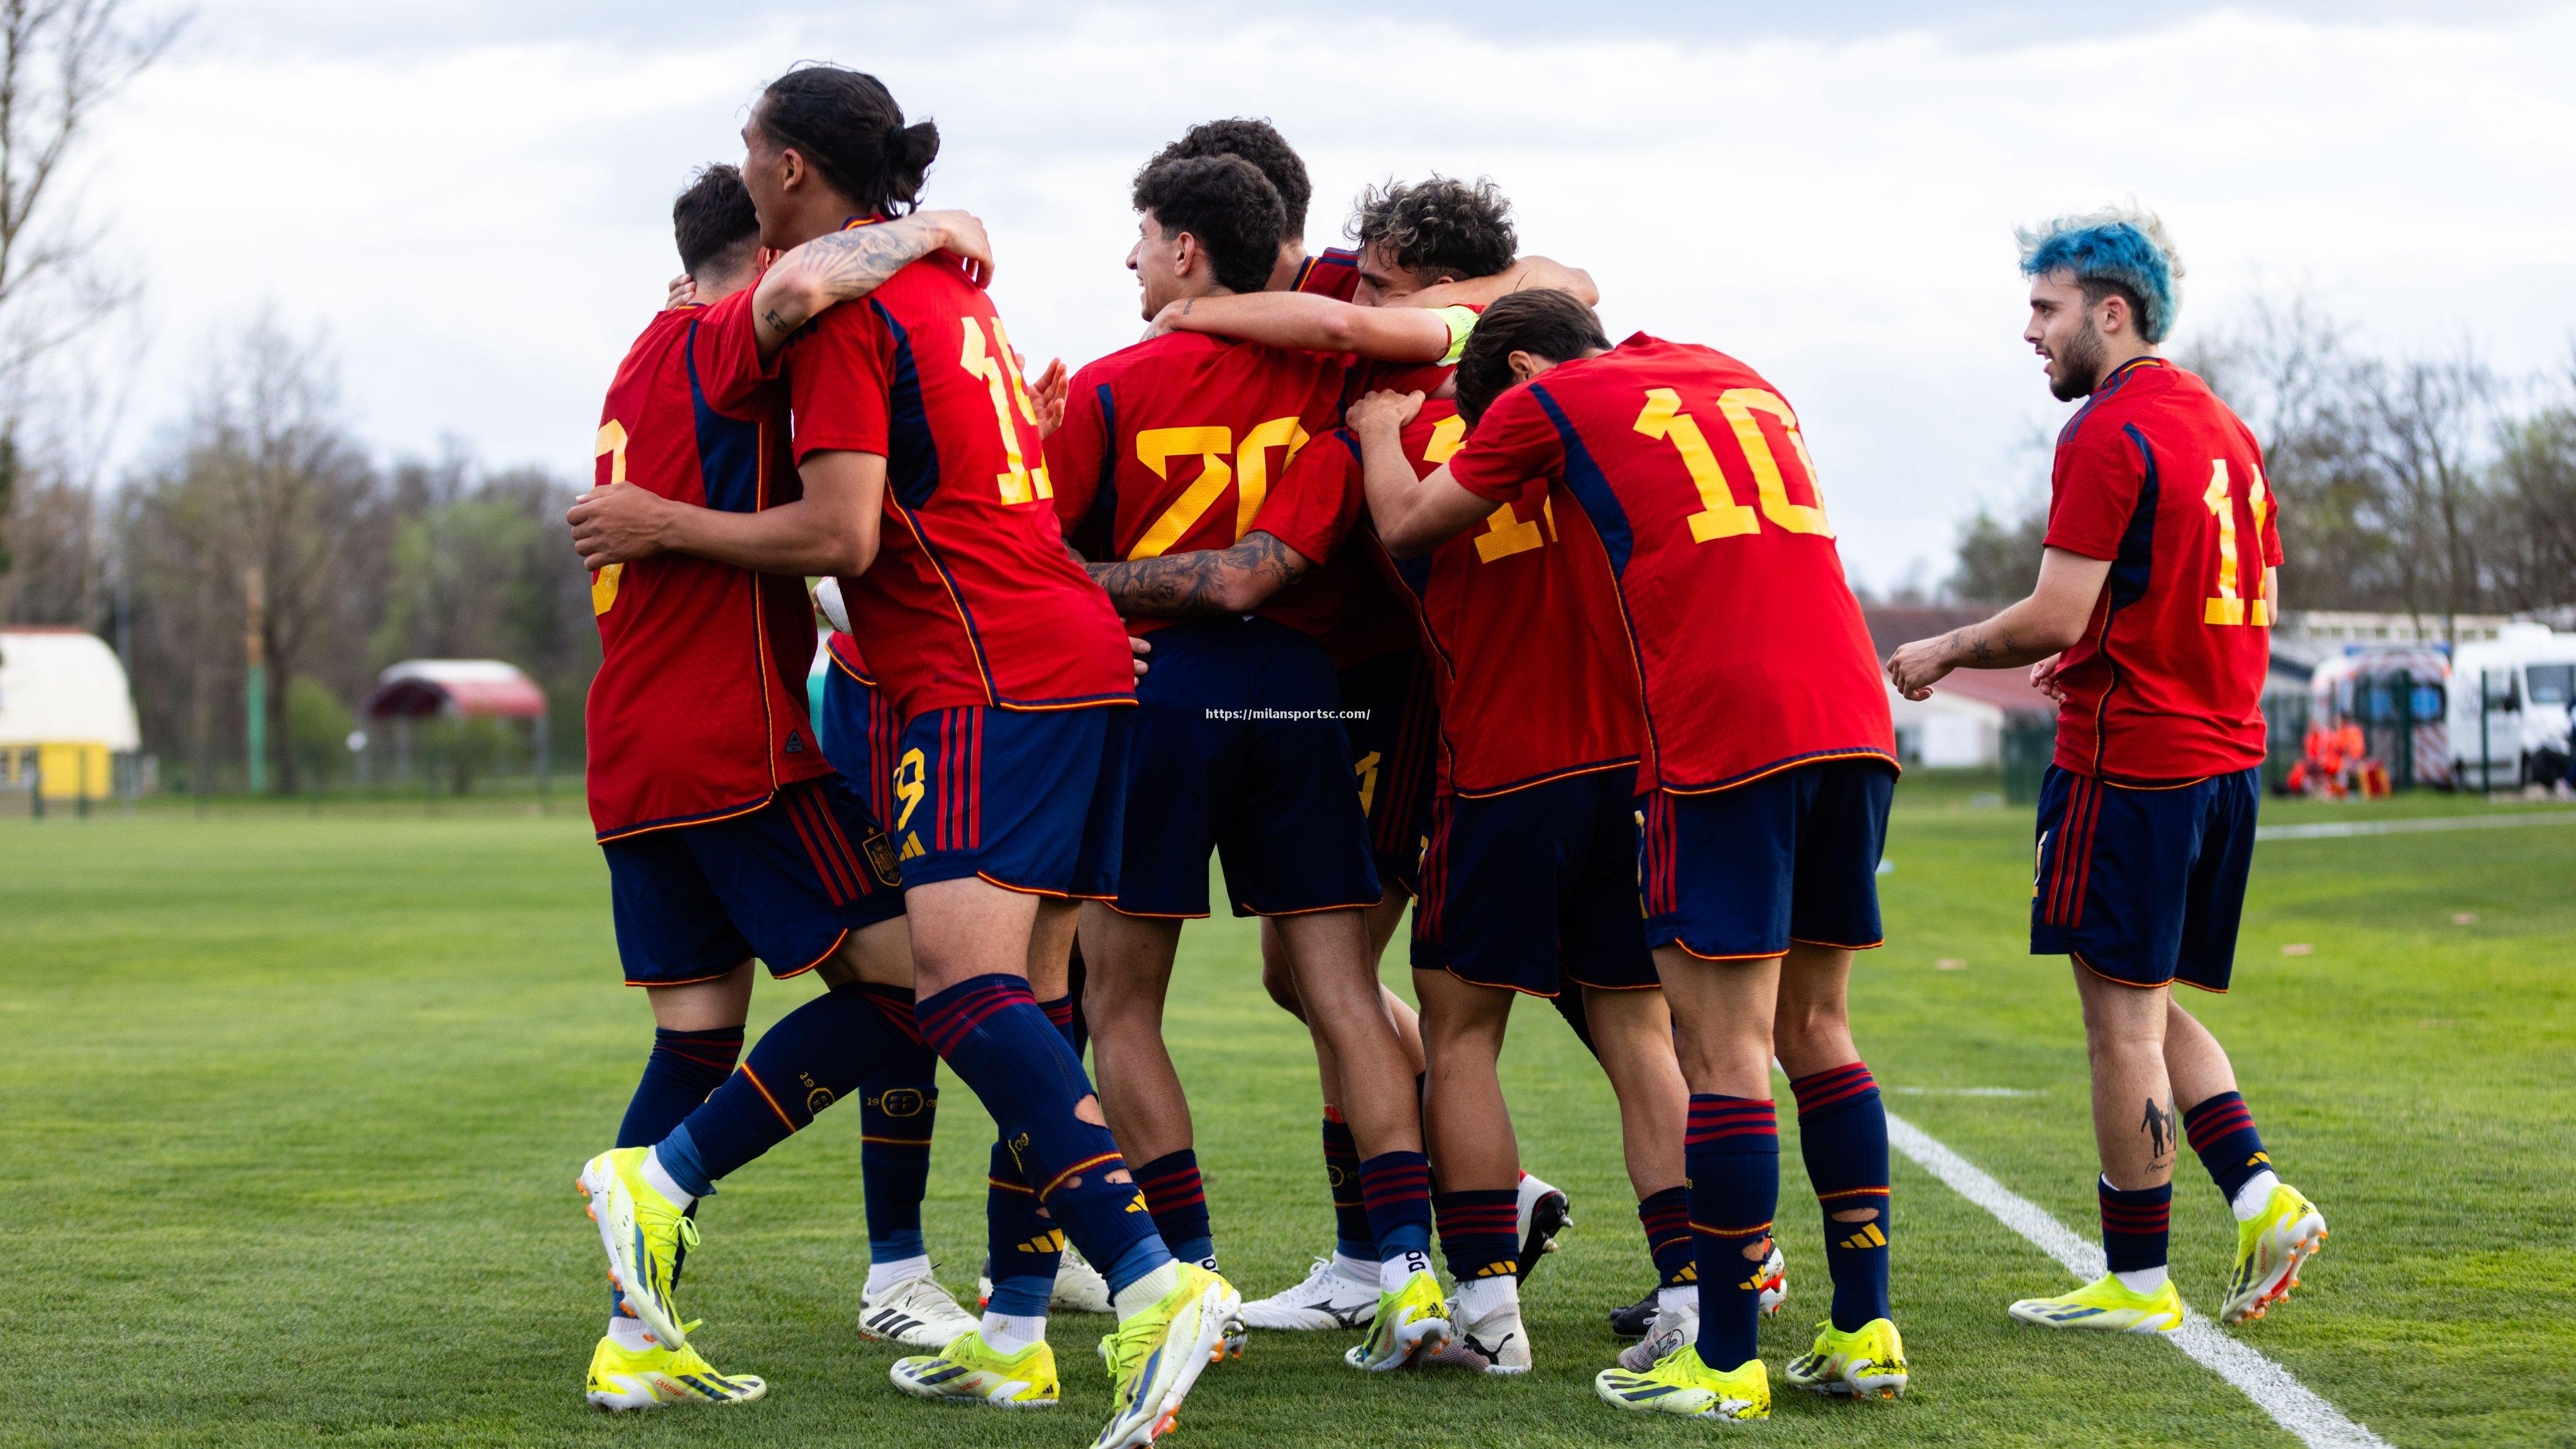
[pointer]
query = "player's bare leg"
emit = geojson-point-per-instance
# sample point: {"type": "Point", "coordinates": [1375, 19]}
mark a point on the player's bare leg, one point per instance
{"type": "Point", "coordinates": [1345, 1007]}
{"type": "Point", "coordinates": [2135, 1126]}
{"type": "Point", "coordinates": [2195, 1063]}
{"type": "Point", "coordinates": [704, 1005]}
{"type": "Point", "coordinates": [1128, 973]}
{"type": "Point", "coordinates": [1464, 1117]}
{"type": "Point", "coordinates": [1633, 1033]}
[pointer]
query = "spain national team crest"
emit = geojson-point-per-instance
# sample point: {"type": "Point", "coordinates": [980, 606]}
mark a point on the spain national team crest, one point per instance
{"type": "Point", "coordinates": [881, 860]}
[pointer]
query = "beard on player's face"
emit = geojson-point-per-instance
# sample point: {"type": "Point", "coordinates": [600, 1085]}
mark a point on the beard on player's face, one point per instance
{"type": "Point", "coordinates": [2079, 361]}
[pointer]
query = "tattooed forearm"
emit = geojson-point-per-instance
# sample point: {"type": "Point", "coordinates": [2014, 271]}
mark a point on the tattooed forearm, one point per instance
{"type": "Point", "coordinates": [1203, 581]}
{"type": "Point", "coordinates": [2159, 1127]}
{"type": "Point", "coordinates": [837, 267]}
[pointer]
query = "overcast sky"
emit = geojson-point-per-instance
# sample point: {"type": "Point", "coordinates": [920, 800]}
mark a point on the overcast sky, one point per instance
{"type": "Point", "coordinates": [469, 199]}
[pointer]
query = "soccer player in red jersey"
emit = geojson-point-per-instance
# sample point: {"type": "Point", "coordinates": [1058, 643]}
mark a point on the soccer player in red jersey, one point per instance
{"type": "Point", "coordinates": [1176, 443]}
{"type": "Point", "coordinates": [726, 833]}
{"type": "Point", "coordinates": [1013, 676]}
{"type": "Point", "coordinates": [1767, 766]}
{"type": "Point", "coordinates": [2150, 625]}
{"type": "Point", "coordinates": [1531, 871]}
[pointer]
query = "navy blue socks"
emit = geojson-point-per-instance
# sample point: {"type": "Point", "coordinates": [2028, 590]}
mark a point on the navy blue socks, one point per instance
{"type": "Point", "coordinates": [1732, 1152]}
{"type": "Point", "coordinates": [1842, 1133]}
{"type": "Point", "coordinates": [684, 1067]}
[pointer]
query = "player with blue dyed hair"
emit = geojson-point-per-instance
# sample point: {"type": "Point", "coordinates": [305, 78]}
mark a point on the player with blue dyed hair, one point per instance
{"type": "Point", "coordinates": [2150, 626]}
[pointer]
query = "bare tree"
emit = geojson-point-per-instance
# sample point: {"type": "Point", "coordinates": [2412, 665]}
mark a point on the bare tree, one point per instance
{"type": "Point", "coordinates": [2430, 418]}
{"type": "Point", "coordinates": [267, 485]}
{"type": "Point", "coordinates": [60, 60]}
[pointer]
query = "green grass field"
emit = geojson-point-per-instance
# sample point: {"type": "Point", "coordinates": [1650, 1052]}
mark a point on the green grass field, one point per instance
{"type": "Point", "coordinates": [294, 1104]}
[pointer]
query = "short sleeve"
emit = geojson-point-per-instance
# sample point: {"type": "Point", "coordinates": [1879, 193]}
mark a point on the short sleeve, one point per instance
{"type": "Point", "coordinates": [1079, 453]}
{"type": "Point", "coordinates": [2271, 522]}
{"type": "Point", "coordinates": [2094, 492]}
{"type": "Point", "coordinates": [1514, 442]}
{"type": "Point", "coordinates": [837, 383]}
{"type": "Point", "coordinates": [724, 349]}
{"type": "Point", "coordinates": [1317, 500]}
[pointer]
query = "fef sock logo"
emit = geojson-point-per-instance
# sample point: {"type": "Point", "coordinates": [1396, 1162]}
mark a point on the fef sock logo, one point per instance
{"type": "Point", "coordinates": [1868, 1237]}
{"type": "Point", "coordinates": [900, 1101]}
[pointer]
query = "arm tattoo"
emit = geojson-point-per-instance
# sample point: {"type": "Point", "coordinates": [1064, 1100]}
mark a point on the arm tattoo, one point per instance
{"type": "Point", "coordinates": [2159, 1127]}
{"type": "Point", "coordinates": [853, 263]}
{"type": "Point", "coordinates": [1178, 585]}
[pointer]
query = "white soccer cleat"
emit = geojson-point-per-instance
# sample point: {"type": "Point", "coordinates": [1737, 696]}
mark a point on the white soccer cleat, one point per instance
{"type": "Point", "coordinates": [1672, 1328]}
{"type": "Point", "coordinates": [1775, 1280]}
{"type": "Point", "coordinates": [1544, 1213]}
{"type": "Point", "coordinates": [1329, 1298]}
{"type": "Point", "coordinates": [1079, 1288]}
{"type": "Point", "coordinates": [916, 1313]}
{"type": "Point", "coordinates": [1495, 1343]}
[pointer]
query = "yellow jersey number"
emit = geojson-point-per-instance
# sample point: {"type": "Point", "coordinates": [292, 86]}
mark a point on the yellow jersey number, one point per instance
{"type": "Point", "coordinates": [1720, 515]}
{"type": "Point", "coordinates": [997, 367]}
{"type": "Point", "coordinates": [611, 445]}
{"type": "Point", "coordinates": [1223, 462]}
{"type": "Point", "coordinates": [2231, 607]}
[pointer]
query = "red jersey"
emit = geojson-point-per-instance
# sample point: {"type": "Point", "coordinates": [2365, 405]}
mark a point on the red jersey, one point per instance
{"type": "Point", "coordinates": [1691, 468]}
{"type": "Point", "coordinates": [698, 709]}
{"type": "Point", "coordinates": [1333, 272]}
{"type": "Point", "coordinates": [1172, 445]}
{"type": "Point", "coordinates": [1529, 665]}
{"type": "Point", "coordinates": [972, 599]}
{"type": "Point", "coordinates": [2156, 475]}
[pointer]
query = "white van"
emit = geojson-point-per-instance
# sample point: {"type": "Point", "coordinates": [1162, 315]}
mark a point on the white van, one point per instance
{"type": "Point", "coordinates": [2529, 678]}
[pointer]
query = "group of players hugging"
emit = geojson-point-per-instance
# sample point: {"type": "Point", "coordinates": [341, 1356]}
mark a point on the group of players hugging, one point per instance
{"type": "Point", "coordinates": [1385, 576]}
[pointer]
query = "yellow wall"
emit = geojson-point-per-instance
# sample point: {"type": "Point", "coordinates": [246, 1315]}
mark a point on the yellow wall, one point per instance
{"type": "Point", "coordinates": [63, 764]}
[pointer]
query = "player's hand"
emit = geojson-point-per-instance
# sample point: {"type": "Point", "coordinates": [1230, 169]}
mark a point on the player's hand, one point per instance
{"type": "Point", "coordinates": [1163, 321]}
{"type": "Point", "coordinates": [1382, 409]}
{"type": "Point", "coordinates": [1048, 392]}
{"type": "Point", "coordinates": [684, 290]}
{"type": "Point", "coordinates": [1139, 648]}
{"type": "Point", "coordinates": [1916, 667]}
{"type": "Point", "coordinates": [2043, 677]}
{"type": "Point", "coordinates": [962, 232]}
{"type": "Point", "coordinates": [616, 524]}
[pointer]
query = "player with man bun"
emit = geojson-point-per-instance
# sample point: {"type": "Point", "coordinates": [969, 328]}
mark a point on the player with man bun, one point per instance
{"type": "Point", "coordinates": [2150, 625]}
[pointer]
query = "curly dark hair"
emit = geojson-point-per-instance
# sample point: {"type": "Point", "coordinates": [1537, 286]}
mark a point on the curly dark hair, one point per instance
{"type": "Point", "coordinates": [846, 125]}
{"type": "Point", "coordinates": [1542, 322]}
{"type": "Point", "coordinates": [1259, 142]}
{"type": "Point", "coordinates": [1439, 227]}
{"type": "Point", "coordinates": [713, 219]}
{"type": "Point", "coordinates": [1227, 204]}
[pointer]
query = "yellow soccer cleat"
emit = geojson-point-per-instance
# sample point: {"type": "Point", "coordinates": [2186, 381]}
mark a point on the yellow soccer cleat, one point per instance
{"type": "Point", "coordinates": [967, 1372]}
{"type": "Point", "coordinates": [654, 1377]}
{"type": "Point", "coordinates": [2106, 1305]}
{"type": "Point", "coordinates": [1680, 1384]}
{"type": "Point", "coordinates": [2270, 1246]}
{"type": "Point", "coordinates": [1868, 1362]}
{"type": "Point", "coordinates": [643, 1233]}
{"type": "Point", "coordinates": [1411, 1322]}
{"type": "Point", "coordinates": [1157, 1355]}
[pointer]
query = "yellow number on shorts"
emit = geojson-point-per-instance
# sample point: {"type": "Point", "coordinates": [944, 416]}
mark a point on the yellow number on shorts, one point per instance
{"type": "Point", "coordinates": [910, 775]}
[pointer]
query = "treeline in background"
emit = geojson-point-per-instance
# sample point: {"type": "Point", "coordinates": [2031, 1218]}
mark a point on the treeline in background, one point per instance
{"type": "Point", "coordinates": [2429, 485]}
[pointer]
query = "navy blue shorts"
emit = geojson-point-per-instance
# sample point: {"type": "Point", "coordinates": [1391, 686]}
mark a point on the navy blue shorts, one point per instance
{"type": "Point", "coordinates": [1273, 797]}
{"type": "Point", "coordinates": [1394, 728]}
{"type": "Point", "coordinates": [1535, 888]}
{"type": "Point", "coordinates": [784, 883]}
{"type": "Point", "coordinates": [1744, 872]}
{"type": "Point", "coordinates": [1027, 799]}
{"type": "Point", "coordinates": [861, 736]}
{"type": "Point", "coordinates": [2144, 886]}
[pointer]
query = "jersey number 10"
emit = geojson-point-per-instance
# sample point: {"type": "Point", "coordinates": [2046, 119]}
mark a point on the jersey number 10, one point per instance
{"type": "Point", "coordinates": [1720, 516]}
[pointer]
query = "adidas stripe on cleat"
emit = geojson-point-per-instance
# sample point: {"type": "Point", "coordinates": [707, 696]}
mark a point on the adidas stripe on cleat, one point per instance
{"type": "Point", "coordinates": [1411, 1322]}
{"type": "Point", "coordinates": [654, 1377]}
{"type": "Point", "coordinates": [2106, 1305]}
{"type": "Point", "coordinates": [1681, 1385]}
{"type": "Point", "coordinates": [915, 1312]}
{"type": "Point", "coordinates": [1157, 1355]}
{"type": "Point", "coordinates": [2269, 1249]}
{"type": "Point", "coordinates": [1868, 1362]}
{"type": "Point", "coordinates": [643, 1234]}
{"type": "Point", "coordinates": [969, 1371]}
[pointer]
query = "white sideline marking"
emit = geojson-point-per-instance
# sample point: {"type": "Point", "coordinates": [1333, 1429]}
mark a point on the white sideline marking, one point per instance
{"type": "Point", "coordinates": [1963, 1091]}
{"type": "Point", "coordinates": [2338, 829]}
{"type": "Point", "coordinates": [2291, 1404]}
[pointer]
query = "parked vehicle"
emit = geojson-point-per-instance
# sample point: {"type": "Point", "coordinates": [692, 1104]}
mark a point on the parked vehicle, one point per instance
{"type": "Point", "coordinates": [2508, 717]}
